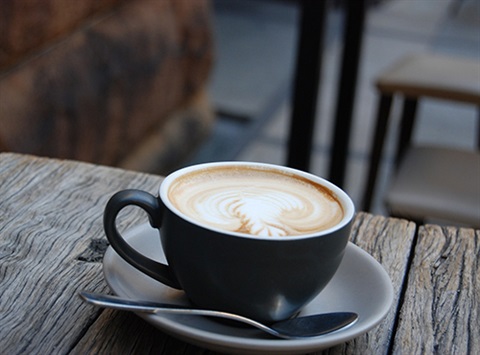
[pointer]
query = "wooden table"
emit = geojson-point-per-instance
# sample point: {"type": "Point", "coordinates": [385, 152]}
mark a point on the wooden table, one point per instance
{"type": "Point", "coordinates": [52, 242]}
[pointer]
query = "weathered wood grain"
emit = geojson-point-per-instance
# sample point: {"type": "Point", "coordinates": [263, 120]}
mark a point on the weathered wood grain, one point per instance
{"type": "Point", "coordinates": [117, 332]}
{"type": "Point", "coordinates": [49, 212]}
{"type": "Point", "coordinates": [441, 311]}
{"type": "Point", "coordinates": [60, 203]}
{"type": "Point", "coordinates": [389, 241]}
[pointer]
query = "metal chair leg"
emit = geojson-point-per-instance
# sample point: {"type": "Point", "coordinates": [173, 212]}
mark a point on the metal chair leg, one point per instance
{"type": "Point", "coordinates": [306, 82]}
{"type": "Point", "coordinates": [406, 127]}
{"type": "Point", "coordinates": [478, 129]}
{"type": "Point", "coordinates": [377, 148]}
{"type": "Point", "coordinates": [353, 36]}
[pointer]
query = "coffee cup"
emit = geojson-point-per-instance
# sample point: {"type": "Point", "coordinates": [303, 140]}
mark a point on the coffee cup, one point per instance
{"type": "Point", "coordinates": [255, 239]}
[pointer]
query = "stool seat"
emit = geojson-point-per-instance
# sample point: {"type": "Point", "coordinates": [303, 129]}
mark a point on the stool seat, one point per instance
{"type": "Point", "coordinates": [440, 183]}
{"type": "Point", "coordinates": [433, 75]}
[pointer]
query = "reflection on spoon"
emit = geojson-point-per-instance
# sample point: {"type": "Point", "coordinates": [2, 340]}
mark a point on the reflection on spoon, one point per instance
{"type": "Point", "coordinates": [300, 327]}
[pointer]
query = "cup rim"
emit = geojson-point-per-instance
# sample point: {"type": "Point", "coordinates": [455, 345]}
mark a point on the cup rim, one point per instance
{"type": "Point", "coordinates": [343, 197]}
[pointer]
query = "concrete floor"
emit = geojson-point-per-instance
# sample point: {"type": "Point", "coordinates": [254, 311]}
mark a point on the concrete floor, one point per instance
{"type": "Point", "coordinates": [251, 81]}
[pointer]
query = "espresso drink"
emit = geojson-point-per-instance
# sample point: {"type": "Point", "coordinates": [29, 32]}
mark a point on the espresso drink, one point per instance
{"type": "Point", "coordinates": [256, 201]}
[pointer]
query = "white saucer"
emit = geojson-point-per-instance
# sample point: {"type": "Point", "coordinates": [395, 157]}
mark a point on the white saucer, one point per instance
{"type": "Point", "coordinates": [360, 285]}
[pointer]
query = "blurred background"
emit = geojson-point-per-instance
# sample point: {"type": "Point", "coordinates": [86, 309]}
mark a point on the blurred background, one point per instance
{"type": "Point", "coordinates": [153, 85]}
{"type": "Point", "coordinates": [251, 82]}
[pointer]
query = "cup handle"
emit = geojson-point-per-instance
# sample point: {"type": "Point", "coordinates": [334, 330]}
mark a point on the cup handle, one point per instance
{"type": "Point", "coordinates": [153, 206]}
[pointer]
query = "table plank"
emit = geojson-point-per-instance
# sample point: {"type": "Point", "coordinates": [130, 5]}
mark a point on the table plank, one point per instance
{"type": "Point", "coordinates": [117, 332]}
{"type": "Point", "coordinates": [441, 311]}
{"type": "Point", "coordinates": [389, 241]}
{"type": "Point", "coordinates": [59, 204]}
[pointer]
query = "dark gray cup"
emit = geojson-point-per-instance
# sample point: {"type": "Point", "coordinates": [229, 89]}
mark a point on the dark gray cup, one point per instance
{"type": "Point", "coordinates": [264, 278]}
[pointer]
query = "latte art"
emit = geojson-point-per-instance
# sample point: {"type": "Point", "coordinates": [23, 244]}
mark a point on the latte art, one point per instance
{"type": "Point", "coordinates": [255, 201]}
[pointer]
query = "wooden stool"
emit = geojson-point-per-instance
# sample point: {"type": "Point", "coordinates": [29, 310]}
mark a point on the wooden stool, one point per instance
{"type": "Point", "coordinates": [414, 77]}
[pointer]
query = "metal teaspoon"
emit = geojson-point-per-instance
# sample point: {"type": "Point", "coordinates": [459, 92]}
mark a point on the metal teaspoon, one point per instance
{"type": "Point", "coordinates": [294, 328]}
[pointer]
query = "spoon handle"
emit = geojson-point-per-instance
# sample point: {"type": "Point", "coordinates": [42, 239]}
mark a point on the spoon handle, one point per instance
{"type": "Point", "coordinates": [288, 329]}
{"type": "Point", "coordinates": [119, 303]}
{"type": "Point", "coordinates": [124, 304]}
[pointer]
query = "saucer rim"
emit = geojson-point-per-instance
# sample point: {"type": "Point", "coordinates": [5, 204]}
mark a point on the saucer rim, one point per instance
{"type": "Point", "coordinates": [229, 343]}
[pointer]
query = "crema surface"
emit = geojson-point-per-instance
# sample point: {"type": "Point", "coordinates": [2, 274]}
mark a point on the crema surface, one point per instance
{"type": "Point", "coordinates": [255, 201]}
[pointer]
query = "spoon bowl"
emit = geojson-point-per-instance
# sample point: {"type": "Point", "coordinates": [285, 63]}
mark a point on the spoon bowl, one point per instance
{"type": "Point", "coordinates": [293, 328]}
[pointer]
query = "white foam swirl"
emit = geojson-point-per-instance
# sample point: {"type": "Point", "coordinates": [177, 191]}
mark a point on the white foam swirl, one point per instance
{"type": "Point", "coordinates": [263, 204]}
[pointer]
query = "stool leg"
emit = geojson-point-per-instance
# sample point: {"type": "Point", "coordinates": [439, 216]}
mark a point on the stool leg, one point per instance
{"type": "Point", "coordinates": [406, 127]}
{"type": "Point", "coordinates": [377, 147]}
{"type": "Point", "coordinates": [478, 130]}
